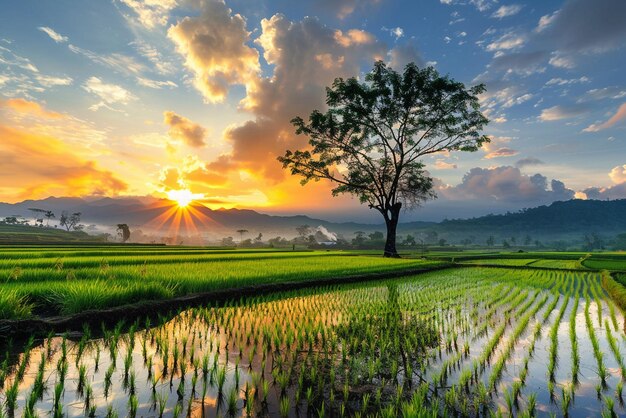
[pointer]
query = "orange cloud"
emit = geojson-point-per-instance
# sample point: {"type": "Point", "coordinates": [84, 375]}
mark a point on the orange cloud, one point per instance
{"type": "Point", "coordinates": [185, 130]}
{"type": "Point", "coordinates": [36, 166]}
{"type": "Point", "coordinates": [20, 105]}
{"type": "Point", "coordinates": [618, 116]}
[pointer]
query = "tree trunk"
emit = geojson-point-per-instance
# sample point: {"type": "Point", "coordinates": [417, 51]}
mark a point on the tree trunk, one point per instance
{"type": "Point", "coordinates": [392, 224]}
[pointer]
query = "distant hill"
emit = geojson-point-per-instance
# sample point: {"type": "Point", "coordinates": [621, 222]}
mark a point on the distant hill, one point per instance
{"type": "Point", "coordinates": [24, 234]}
{"type": "Point", "coordinates": [560, 220]}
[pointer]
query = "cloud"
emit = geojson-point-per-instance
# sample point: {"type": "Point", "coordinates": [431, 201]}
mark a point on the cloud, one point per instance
{"type": "Point", "coordinates": [545, 21]}
{"type": "Point", "coordinates": [51, 81]}
{"type": "Point", "coordinates": [617, 191]}
{"type": "Point", "coordinates": [396, 32]}
{"type": "Point", "coordinates": [612, 92]}
{"type": "Point", "coordinates": [160, 63]}
{"type": "Point", "coordinates": [496, 149]}
{"type": "Point", "coordinates": [563, 112]}
{"type": "Point", "coordinates": [481, 5]}
{"type": "Point", "coordinates": [559, 60]}
{"type": "Point", "coordinates": [521, 63]}
{"type": "Point", "coordinates": [120, 63]}
{"type": "Point", "coordinates": [507, 41]}
{"type": "Point", "coordinates": [528, 162]}
{"type": "Point", "coordinates": [109, 94]}
{"type": "Point", "coordinates": [184, 130]}
{"type": "Point", "coordinates": [441, 164]}
{"type": "Point", "coordinates": [561, 81]}
{"type": "Point", "coordinates": [618, 174]}
{"type": "Point", "coordinates": [616, 118]}
{"type": "Point", "coordinates": [53, 35]}
{"type": "Point", "coordinates": [507, 184]}
{"type": "Point", "coordinates": [155, 84]}
{"type": "Point", "coordinates": [344, 8]}
{"type": "Point", "coordinates": [151, 13]}
{"type": "Point", "coordinates": [24, 106]}
{"type": "Point", "coordinates": [35, 166]}
{"type": "Point", "coordinates": [214, 45]}
{"type": "Point", "coordinates": [506, 11]}
{"type": "Point", "coordinates": [588, 26]}
{"type": "Point", "coordinates": [306, 57]}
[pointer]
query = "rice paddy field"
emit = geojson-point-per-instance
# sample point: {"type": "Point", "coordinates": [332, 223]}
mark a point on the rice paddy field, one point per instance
{"type": "Point", "coordinates": [457, 342]}
{"type": "Point", "coordinates": [44, 281]}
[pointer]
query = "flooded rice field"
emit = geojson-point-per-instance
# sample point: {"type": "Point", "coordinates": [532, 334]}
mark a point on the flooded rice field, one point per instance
{"type": "Point", "coordinates": [465, 342]}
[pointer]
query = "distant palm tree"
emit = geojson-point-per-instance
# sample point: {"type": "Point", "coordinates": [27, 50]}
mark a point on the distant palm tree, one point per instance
{"type": "Point", "coordinates": [49, 215]}
{"type": "Point", "coordinates": [241, 232]}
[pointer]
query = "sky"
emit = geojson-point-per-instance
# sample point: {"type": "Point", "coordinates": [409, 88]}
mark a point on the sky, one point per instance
{"type": "Point", "coordinates": [143, 97]}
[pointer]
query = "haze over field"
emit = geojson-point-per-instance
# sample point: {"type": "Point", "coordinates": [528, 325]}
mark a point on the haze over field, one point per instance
{"type": "Point", "coordinates": [191, 100]}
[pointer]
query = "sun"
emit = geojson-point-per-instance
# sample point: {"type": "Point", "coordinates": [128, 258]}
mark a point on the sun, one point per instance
{"type": "Point", "coordinates": [182, 197]}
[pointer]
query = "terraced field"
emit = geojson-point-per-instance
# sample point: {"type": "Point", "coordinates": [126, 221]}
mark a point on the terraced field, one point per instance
{"type": "Point", "coordinates": [468, 341]}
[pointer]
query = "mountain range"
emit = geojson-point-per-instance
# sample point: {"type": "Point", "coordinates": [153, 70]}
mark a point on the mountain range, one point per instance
{"type": "Point", "coordinates": [560, 220]}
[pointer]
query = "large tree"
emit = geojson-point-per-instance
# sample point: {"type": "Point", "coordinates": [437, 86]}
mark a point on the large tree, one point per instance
{"type": "Point", "coordinates": [372, 139]}
{"type": "Point", "coordinates": [123, 231]}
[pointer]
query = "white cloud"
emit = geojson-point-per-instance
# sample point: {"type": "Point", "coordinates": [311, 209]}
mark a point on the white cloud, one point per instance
{"type": "Point", "coordinates": [50, 81]}
{"type": "Point", "coordinates": [161, 64]}
{"type": "Point", "coordinates": [562, 61]}
{"type": "Point", "coordinates": [56, 37]}
{"type": "Point", "coordinates": [612, 92]}
{"type": "Point", "coordinates": [507, 41]}
{"type": "Point", "coordinates": [562, 112]}
{"type": "Point", "coordinates": [109, 94]}
{"type": "Point", "coordinates": [151, 13]}
{"type": "Point", "coordinates": [155, 84]}
{"type": "Point", "coordinates": [215, 48]}
{"type": "Point", "coordinates": [397, 32]}
{"type": "Point", "coordinates": [506, 11]}
{"type": "Point", "coordinates": [545, 21]}
{"type": "Point", "coordinates": [121, 63]}
{"type": "Point", "coordinates": [561, 82]}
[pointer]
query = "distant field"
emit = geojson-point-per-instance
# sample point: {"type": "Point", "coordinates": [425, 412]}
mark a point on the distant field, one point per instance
{"type": "Point", "coordinates": [66, 280]}
{"type": "Point", "coordinates": [15, 234]}
{"type": "Point", "coordinates": [614, 263]}
{"type": "Point", "coordinates": [501, 261]}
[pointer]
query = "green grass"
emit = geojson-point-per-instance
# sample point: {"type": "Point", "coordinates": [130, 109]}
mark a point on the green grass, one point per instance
{"type": "Point", "coordinates": [70, 280]}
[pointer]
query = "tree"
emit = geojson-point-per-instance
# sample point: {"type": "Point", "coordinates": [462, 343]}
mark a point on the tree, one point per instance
{"type": "Point", "coordinates": [409, 241]}
{"type": "Point", "coordinates": [376, 236]}
{"type": "Point", "coordinates": [359, 238]}
{"type": "Point", "coordinates": [37, 213]}
{"type": "Point", "coordinates": [241, 232]}
{"type": "Point", "coordinates": [49, 215]}
{"type": "Point", "coordinates": [69, 221]}
{"type": "Point", "coordinates": [528, 240]}
{"type": "Point", "coordinates": [259, 238]}
{"type": "Point", "coordinates": [123, 231]}
{"type": "Point", "coordinates": [491, 241]}
{"type": "Point", "coordinates": [303, 231]}
{"type": "Point", "coordinates": [380, 130]}
{"type": "Point", "coordinates": [228, 242]}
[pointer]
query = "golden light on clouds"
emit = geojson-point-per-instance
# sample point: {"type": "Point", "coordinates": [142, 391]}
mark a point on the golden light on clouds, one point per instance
{"type": "Point", "coordinates": [37, 166]}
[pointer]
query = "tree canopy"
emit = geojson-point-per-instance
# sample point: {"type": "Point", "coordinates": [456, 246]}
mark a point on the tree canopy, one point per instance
{"type": "Point", "coordinates": [373, 137]}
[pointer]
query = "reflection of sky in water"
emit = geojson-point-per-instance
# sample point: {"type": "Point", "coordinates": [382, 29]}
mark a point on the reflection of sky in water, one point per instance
{"type": "Point", "coordinates": [584, 403]}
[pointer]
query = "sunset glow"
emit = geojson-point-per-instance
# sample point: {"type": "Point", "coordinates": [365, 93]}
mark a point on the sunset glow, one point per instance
{"type": "Point", "coordinates": [182, 197]}
{"type": "Point", "coordinates": [147, 106]}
